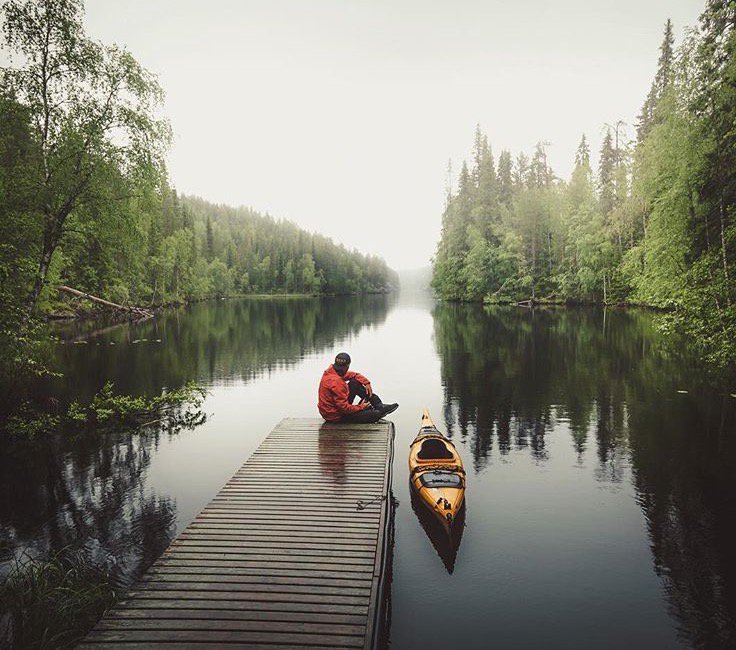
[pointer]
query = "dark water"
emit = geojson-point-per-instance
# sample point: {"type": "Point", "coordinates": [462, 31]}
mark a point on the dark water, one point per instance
{"type": "Point", "coordinates": [601, 501]}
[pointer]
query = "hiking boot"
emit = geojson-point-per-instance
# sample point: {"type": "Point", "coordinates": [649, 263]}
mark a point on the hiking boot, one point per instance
{"type": "Point", "coordinates": [389, 408]}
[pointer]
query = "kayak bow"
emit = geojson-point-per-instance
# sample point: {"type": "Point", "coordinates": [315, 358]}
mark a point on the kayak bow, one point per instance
{"type": "Point", "coordinates": [436, 472]}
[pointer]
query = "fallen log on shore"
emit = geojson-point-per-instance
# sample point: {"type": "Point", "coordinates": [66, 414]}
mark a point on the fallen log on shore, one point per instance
{"type": "Point", "coordinates": [138, 312]}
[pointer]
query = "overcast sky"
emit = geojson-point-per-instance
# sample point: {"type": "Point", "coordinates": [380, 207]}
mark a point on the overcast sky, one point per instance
{"type": "Point", "coordinates": [341, 115]}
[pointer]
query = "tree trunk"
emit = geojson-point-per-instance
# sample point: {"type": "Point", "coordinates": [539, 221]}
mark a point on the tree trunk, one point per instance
{"type": "Point", "coordinates": [138, 311]}
{"type": "Point", "coordinates": [723, 251]}
{"type": "Point", "coordinates": [691, 210]}
{"type": "Point", "coordinates": [47, 252]}
{"type": "Point", "coordinates": [43, 269]}
{"type": "Point", "coordinates": [53, 230]}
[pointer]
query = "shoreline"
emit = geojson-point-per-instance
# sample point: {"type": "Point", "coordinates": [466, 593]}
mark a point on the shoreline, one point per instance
{"type": "Point", "coordinates": [96, 314]}
{"type": "Point", "coordinates": [569, 302]}
{"type": "Point", "coordinates": [81, 315]}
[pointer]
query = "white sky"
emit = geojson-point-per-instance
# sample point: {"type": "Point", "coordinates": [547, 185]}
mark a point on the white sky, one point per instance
{"type": "Point", "coordinates": [341, 115]}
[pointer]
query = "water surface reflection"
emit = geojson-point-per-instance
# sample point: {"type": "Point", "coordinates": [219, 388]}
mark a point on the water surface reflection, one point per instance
{"type": "Point", "coordinates": [515, 380]}
{"type": "Point", "coordinates": [602, 498]}
{"type": "Point", "coordinates": [221, 341]}
{"type": "Point", "coordinates": [83, 492]}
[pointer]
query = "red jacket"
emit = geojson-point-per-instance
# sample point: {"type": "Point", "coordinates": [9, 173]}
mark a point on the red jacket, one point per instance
{"type": "Point", "coordinates": [333, 394]}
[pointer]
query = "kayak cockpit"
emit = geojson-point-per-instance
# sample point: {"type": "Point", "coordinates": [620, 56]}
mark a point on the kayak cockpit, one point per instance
{"type": "Point", "coordinates": [434, 449]}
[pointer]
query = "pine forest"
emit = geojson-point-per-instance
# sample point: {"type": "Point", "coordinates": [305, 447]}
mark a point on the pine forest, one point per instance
{"type": "Point", "coordinates": [653, 224]}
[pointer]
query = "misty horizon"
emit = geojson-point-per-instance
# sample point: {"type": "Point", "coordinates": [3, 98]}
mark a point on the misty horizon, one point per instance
{"type": "Point", "coordinates": [341, 117]}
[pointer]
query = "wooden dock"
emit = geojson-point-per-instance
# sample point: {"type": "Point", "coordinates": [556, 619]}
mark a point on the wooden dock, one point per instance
{"type": "Point", "coordinates": [291, 553]}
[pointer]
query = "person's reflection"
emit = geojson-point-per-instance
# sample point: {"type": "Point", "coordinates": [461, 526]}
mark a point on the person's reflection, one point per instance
{"type": "Point", "coordinates": [446, 544]}
{"type": "Point", "coordinates": [333, 456]}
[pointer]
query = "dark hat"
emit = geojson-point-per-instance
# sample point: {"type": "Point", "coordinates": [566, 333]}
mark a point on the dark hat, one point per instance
{"type": "Point", "coordinates": [342, 359]}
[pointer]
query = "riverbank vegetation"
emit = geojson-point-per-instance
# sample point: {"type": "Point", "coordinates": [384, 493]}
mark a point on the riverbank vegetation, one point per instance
{"type": "Point", "coordinates": [110, 410]}
{"type": "Point", "coordinates": [53, 603]}
{"type": "Point", "coordinates": [655, 224]}
{"type": "Point", "coordinates": [171, 410]}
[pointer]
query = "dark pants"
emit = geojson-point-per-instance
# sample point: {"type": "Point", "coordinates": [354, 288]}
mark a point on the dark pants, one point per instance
{"type": "Point", "coordinates": [373, 414]}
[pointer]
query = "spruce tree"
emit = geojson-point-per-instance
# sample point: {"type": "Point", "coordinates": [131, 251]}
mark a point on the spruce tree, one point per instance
{"type": "Point", "coordinates": [662, 80]}
{"type": "Point", "coordinates": [486, 199]}
{"type": "Point", "coordinates": [607, 176]}
{"type": "Point", "coordinates": [521, 171]}
{"type": "Point", "coordinates": [582, 155]}
{"type": "Point", "coordinates": [479, 141]}
{"type": "Point", "coordinates": [210, 240]}
{"type": "Point", "coordinates": [465, 192]}
{"type": "Point", "coordinates": [540, 174]}
{"type": "Point", "coordinates": [505, 178]}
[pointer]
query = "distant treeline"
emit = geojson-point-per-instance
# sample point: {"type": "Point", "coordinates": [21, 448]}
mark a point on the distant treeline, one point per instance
{"type": "Point", "coordinates": [187, 249]}
{"type": "Point", "coordinates": [266, 255]}
{"type": "Point", "coordinates": [655, 225]}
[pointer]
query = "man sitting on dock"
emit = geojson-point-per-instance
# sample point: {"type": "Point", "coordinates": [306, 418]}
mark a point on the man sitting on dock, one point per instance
{"type": "Point", "coordinates": [340, 386]}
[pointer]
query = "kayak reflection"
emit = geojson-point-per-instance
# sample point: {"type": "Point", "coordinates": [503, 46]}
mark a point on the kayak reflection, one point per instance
{"type": "Point", "coordinates": [445, 543]}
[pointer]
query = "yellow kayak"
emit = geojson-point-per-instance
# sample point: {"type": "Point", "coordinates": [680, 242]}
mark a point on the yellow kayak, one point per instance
{"type": "Point", "coordinates": [436, 472]}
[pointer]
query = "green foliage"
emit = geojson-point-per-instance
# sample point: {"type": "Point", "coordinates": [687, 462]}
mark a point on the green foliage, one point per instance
{"type": "Point", "coordinates": [91, 132]}
{"type": "Point", "coordinates": [108, 411]}
{"type": "Point", "coordinates": [247, 252]}
{"type": "Point", "coordinates": [52, 603]}
{"type": "Point", "coordinates": [27, 421]}
{"type": "Point", "coordinates": [657, 226]}
{"type": "Point", "coordinates": [664, 178]}
{"type": "Point", "coordinates": [22, 346]}
{"type": "Point", "coordinates": [665, 70]}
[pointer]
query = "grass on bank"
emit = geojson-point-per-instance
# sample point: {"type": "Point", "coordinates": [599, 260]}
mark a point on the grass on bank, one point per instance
{"type": "Point", "coordinates": [52, 603]}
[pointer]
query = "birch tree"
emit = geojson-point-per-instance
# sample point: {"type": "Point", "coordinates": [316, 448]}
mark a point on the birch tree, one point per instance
{"type": "Point", "coordinates": [92, 116]}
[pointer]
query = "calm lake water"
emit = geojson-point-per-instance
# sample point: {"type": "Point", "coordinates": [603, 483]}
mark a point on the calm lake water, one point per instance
{"type": "Point", "coordinates": [601, 497]}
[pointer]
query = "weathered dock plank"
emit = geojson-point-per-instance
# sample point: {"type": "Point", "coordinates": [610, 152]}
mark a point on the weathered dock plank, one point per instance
{"type": "Point", "coordinates": [290, 553]}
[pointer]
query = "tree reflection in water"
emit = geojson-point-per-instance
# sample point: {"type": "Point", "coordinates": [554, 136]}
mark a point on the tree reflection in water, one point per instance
{"type": "Point", "coordinates": [221, 341]}
{"type": "Point", "coordinates": [686, 479]}
{"type": "Point", "coordinates": [86, 493]}
{"type": "Point", "coordinates": [514, 375]}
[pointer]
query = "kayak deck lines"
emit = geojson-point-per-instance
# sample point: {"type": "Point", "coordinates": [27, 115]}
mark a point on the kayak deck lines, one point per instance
{"type": "Point", "coordinates": [292, 552]}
